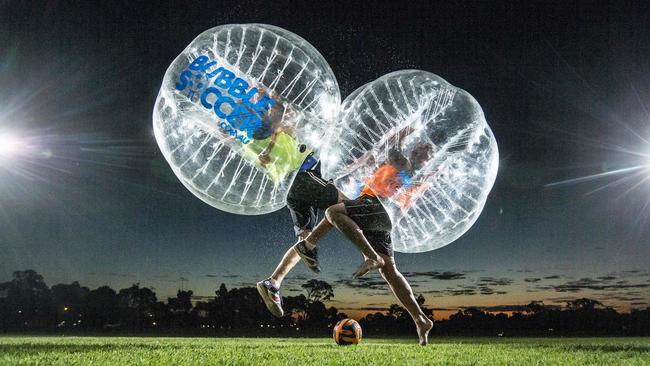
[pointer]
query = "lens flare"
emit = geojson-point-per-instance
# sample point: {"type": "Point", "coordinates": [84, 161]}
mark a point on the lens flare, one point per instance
{"type": "Point", "coordinates": [9, 145]}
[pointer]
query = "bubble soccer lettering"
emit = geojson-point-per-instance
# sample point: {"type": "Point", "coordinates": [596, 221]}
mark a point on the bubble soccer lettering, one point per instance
{"type": "Point", "coordinates": [221, 97]}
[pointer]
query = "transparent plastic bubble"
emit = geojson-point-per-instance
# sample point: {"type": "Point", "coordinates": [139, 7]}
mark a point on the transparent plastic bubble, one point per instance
{"type": "Point", "coordinates": [423, 147]}
{"type": "Point", "coordinates": [236, 110]}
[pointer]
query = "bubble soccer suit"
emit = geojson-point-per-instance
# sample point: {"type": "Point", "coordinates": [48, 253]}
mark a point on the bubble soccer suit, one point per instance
{"type": "Point", "coordinates": [441, 134]}
{"type": "Point", "coordinates": [233, 109]}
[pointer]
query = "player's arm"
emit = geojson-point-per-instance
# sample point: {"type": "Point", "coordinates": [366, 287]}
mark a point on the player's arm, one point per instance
{"type": "Point", "coordinates": [414, 190]}
{"type": "Point", "coordinates": [265, 155]}
{"type": "Point", "coordinates": [279, 121]}
{"type": "Point", "coordinates": [397, 159]}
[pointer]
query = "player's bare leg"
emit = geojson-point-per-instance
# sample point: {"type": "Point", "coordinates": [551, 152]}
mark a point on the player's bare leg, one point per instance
{"type": "Point", "coordinates": [404, 294]}
{"type": "Point", "coordinates": [290, 259]}
{"type": "Point", "coordinates": [323, 227]}
{"type": "Point", "coordinates": [269, 289]}
{"type": "Point", "coordinates": [338, 216]}
{"type": "Point", "coordinates": [306, 246]}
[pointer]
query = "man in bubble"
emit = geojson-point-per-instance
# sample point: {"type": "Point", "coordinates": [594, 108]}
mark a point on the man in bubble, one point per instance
{"type": "Point", "coordinates": [273, 143]}
{"type": "Point", "coordinates": [308, 196]}
{"type": "Point", "coordinates": [363, 220]}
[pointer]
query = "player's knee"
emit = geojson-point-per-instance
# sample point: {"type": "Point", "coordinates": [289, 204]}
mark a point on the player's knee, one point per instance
{"type": "Point", "coordinates": [383, 271]}
{"type": "Point", "coordinates": [388, 269]}
{"type": "Point", "coordinates": [332, 211]}
{"type": "Point", "coordinates": [329, 213]}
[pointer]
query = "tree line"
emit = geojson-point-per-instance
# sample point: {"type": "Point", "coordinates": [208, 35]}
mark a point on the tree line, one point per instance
{"type": "Point", "coordinates": [27, 304]}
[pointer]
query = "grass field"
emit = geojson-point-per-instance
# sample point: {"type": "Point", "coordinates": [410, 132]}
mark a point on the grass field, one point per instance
{"type": "Point", "coordinates": [280, 351]}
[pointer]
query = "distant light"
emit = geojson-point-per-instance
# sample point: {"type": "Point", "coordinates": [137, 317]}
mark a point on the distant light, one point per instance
{"type": "Point", "coordinates": [47, 153]}
{"type": "Point", "coordinates": [66, 308]}
{"type": "Point", "coordinates": [9, 145]}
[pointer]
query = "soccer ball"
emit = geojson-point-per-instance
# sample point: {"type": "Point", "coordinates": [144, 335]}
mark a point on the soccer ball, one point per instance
{"type": "Point", "coordinates": [347, 332]}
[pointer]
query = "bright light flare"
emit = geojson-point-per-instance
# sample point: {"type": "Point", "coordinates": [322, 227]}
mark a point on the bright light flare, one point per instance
{"type": "Point", "coordinates": [629, 177]}
{"type": "Point", "coordinates": [9, 145]}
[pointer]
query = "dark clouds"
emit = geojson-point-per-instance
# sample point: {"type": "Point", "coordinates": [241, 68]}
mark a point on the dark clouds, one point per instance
{"type": "Point", "coordinates": [363, 283]}
{"type": "Point", "coordinates": [465, 290]}
{"type": "Point", "coordinates": [640, 303]}
{"type": "Point", "coordinates": [461, 291]}
{"type": "Point", "coordinates": [613, 289]}
{"type": "Point", "coordinates": [365, 308]}
{"type": "Point", "coordinates": [435, 275]}
{"type": "Point", "coordinates": [124, 275]}
{"type": "Point", "coordinates": [489, 291]}
{"type": "Point", "coordinates": [491, 281]}
{"type": "Point", "coordinates": [606, 278]}
{"type": "Point", "coordinates": [425, 283]}
{"type": "Point", "coordinates": [502, 308]}
{"type": "Point", "coordinates": [597, 284]}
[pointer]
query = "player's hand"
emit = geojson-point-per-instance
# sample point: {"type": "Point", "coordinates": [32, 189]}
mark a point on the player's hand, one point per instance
{"type": "Point", "coordinates": [264, 158]}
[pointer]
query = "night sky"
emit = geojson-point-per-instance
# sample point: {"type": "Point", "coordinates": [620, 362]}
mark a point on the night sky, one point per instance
{"type": "Point", "coordinates": [565, 86]}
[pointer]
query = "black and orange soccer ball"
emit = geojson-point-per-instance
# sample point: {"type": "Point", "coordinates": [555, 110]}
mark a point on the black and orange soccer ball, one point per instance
{"type": "Point", "coordinates": [347, 332]}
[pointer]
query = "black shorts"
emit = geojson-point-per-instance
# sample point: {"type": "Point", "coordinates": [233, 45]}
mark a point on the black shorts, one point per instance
{"type": "Point", "coordinates": [309, 194]}
{"type": "Point", "coordinates": [372, 218]}
{"type": "Point", "coordinates": [310, 188]}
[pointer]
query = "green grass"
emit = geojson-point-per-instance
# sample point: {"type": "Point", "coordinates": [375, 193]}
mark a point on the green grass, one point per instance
{"type": "Point", "coordinates": [282, 351]}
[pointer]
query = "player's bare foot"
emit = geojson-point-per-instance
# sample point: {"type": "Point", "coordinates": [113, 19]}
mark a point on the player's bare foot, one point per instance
{"type": "Point", "coordinates": [423, 326]}
{"type": "Point", "coordinates": [367, 266]}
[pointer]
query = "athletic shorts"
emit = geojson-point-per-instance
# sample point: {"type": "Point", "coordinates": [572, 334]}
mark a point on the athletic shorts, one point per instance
{"type": "Point", "coordinates": [309, 194]}
{"type": "Point", "coordinates": [373, 220]}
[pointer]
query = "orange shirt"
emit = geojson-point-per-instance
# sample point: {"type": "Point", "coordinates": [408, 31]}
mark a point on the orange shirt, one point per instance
{"type": "Point", "coordinates": [384, 182]}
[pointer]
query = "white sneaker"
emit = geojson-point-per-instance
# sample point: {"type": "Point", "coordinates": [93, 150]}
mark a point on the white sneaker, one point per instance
{"type": "Point", "coordinates": [271, 296]}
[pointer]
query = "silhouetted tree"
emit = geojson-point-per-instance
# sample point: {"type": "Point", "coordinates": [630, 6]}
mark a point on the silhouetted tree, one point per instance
{"type": "Point", "coordinates": [136, 306]}
{"type": "Point", "coordinates": [296, 306]}
{"type": "Point", "coordinates": [182, 303]}
{"type": "Point", "coordinates": [181, 310]}
{"type": "Point", "coordinates": [26, 304]}
{"type": "Point", "coordinates": [584, 304]}
{"type": "Point", "coordinates": [318, 290]}
{"type": "Point", "coordinates": [223, 291]}
{"type": "Point", "coordinates": [102, 309]}
{"type": "Point", "coordinates": [536, 307]}
{"type": "Point", "coordinates": [70, 302]}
